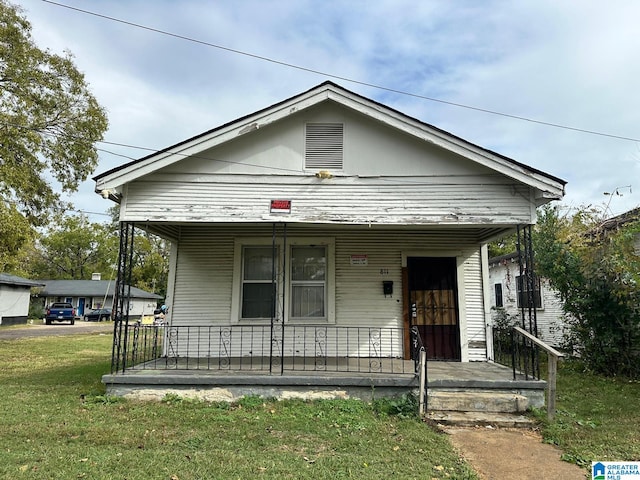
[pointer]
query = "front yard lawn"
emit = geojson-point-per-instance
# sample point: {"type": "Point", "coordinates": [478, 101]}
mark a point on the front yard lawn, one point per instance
{"type": "Point", "coordinates": [598, 418]}
{"type": "Point", "coordinates": [56, 423]}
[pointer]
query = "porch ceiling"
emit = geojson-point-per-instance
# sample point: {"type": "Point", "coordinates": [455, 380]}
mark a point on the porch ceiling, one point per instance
{"type": "Point", "coordinates": [466, 233]}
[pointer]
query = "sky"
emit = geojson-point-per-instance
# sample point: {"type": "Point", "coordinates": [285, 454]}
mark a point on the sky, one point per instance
{"type": "Point", "coordinates": [571, 63]}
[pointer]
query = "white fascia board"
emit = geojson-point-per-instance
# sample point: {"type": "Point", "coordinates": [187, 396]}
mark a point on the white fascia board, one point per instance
{"type": "Point", "coordinates": [205, 142]}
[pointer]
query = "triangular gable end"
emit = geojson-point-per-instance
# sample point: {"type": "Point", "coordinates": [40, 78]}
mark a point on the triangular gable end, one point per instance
{"type": "Point", "coordinates": [547, 186]}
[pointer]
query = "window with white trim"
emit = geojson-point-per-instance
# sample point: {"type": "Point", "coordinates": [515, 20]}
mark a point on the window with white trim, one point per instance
{"type": "Point", "coordinates": [306, 288]}
{"type": "Point", "coordinates": [308, 298]}
{"type": "Point", "coordinates": [258, 289]}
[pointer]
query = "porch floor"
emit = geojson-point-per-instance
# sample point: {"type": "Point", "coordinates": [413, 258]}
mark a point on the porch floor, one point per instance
{"type": "Point", "coordinates": [397, 375]}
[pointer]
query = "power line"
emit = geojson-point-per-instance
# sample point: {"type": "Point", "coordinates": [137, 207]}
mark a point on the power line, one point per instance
{"type": "Point", "coordinates": [85, 212]}
{"type": "Point", "coordinates": [339, 77]}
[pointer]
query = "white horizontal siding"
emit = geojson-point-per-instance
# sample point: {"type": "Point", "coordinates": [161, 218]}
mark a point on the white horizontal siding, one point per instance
{"type": "Point", "coordinates": [550, 321]}
{"type": "Point", "coordinates": [449, 201]}
{"type": "Point", "coordinates": [359, 297]}
{"type": "Point", "coordinates": [474, 339]}
{"type": "Point", "coordinates": [204, 273]}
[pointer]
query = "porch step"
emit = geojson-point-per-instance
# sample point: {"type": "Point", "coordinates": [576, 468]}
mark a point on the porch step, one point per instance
{"type": "Point", "coordinates": [488, 402]}
{"type": "Point", "coordinates": [483, 419]}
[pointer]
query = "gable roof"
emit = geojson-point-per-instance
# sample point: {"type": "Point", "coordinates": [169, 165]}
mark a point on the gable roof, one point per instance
{"type": "Point", "coordinates": [6, 279]}
{"type": "Point", "coordinates": [108, 182]}
{"type": "Point", "coordinates": [88, 288]}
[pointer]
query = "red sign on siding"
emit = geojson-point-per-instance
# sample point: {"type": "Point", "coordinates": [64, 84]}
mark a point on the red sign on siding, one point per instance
{"type": "Point", "coordinates": [280, 206]}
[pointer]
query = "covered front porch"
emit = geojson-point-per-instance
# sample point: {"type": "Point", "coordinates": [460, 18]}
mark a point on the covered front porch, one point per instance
{"type": "Point", "coordinates": [160, 360]}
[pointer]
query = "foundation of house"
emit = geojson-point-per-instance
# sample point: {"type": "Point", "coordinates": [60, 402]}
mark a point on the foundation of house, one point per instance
{"type": "Point", "coordinates": [451, 386]}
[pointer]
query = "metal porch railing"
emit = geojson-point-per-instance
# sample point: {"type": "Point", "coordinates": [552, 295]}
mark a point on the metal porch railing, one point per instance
{"type": "Point", "coordinates": [299, 348]}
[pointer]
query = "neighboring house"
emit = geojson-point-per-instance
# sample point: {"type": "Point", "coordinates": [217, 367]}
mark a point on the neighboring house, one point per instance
{"type": "Point", "coordinates": [87, 295]}
{"type": "Point", "coordinates": [327, 222]}
{"type": "Point", "coordinates": [624, 220]}
{"type": "Point", "coordinates": [15, 293]}
{"type": "Point", "coordinates": [508, 292]}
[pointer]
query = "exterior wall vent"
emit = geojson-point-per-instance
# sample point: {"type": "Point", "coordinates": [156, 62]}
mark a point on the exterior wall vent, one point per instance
{"type": "Point", "coordinates": [324, 146]}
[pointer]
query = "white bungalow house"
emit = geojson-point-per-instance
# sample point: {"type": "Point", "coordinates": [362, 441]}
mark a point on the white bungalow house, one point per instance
{"type": "Point", "coordinates": [326, 225]}
{"type": "Point", "coordinates": [15, 293]}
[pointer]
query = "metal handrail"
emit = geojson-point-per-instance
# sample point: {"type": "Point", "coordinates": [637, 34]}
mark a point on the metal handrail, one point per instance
{"type": "Point", "coordinates": [553, 356]}
{"type": "Point", "coordinates": [521, 350]}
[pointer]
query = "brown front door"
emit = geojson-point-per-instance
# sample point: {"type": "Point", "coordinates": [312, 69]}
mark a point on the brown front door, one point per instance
{"type": "Point", "coordinates": [433, 305]}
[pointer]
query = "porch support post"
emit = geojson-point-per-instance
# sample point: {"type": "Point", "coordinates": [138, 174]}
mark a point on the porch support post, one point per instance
{"type": "Point", "coordinates": [527, 293]}
{"type": "Point", "coordinates": [274, 294]}
{"type": "Point", "coordinates": [277, 321]}
{"type": "Point", "coordinates": [122, 297]}
{"type": "Point", "coordinates": [551, 385]}
{"type": "Point", "coordinates": [284, 294]}
{"type": "Point", "coordinates": [528, 279]}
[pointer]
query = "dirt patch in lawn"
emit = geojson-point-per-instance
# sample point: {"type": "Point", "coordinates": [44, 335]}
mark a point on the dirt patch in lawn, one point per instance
{"type": "Point", "coordinates": [499, 453]}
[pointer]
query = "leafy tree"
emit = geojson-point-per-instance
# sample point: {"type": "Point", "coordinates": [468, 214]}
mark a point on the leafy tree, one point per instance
{"type": "Point", "coordinates": [150, 263]}
{"type": "Point", "coordinates": [150, 270]}
{"type": "Point", "coordinates": [504, 245]}
{"type": "Point", "coordinates": [596, 270]}
{"type": "Point", "coordinates": [16, 235]}
{"type": "Point", "coordinates": [74, 249]}
{"type": "Point", "coordinates": [49, 122]}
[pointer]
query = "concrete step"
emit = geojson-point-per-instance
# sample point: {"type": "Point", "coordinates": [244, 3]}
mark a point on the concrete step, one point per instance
{"type": "Point", "coordinates": [480, 419]}
{"type": "Point", "coordinates": [442, 400]}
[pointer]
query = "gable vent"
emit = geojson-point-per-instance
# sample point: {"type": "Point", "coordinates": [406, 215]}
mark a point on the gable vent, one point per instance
{"type": "Point", "coordinates": [324, 146]}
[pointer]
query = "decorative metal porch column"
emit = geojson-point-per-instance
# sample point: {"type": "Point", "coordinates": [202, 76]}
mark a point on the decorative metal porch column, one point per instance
{"type": "Point", "coordinates": [527, 294]}
{"type": "Point", "coordinates": [122, 297]}
{"type": "Point", "coordinates": [276, 350]}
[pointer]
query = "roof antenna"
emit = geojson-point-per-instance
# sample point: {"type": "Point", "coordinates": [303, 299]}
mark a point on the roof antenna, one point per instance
{"type": "Point", "coordinates": [615, 192]}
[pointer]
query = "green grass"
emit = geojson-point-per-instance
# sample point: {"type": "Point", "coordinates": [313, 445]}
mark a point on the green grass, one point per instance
{"type": "Point", "coordinates": [57, 423]}
{"type": "Point", "coordinates": [597, 418]}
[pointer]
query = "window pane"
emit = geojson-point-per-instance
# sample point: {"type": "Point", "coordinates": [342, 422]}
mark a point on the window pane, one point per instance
{"type": "Point", "coordinates": [258, 263]}
{"type": "Point", "coordinates": [257, 300]}
{"type": "Point", "coordinates": [524, 295]}
{"type": "Point", "coordinates": [308, 263]}
{"type": "Point", "coordinates": [498, 291]}
{"type": "Point", "coordinates": [307, 301]}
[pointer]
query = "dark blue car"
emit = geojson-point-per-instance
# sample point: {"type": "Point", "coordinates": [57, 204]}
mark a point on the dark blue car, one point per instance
{"type": "Point", "coordinates": [98, 315]}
